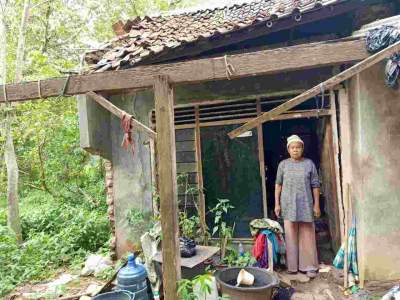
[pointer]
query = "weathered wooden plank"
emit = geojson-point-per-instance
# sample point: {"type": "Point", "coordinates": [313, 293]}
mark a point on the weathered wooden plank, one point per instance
{"type": "Point", "coordinates": [182, 135]}
{"type": "Point", "coordinates": [332, 178]}
{"type": "Point", "coordinates": [345, 135]}
{"type": "Point", "coordinates": [248, 64]}
{"type": "Point", "coordinates": [346, 235]}
{"type": "Point", "coordinates": [335, 150]}
{"type": "Point", "coordinates": [153, 164]}
{"type": "Point", "coordinates": [186, 167]}
{"type": "Point", "coordinates": [285, 116]}
{"type": "Point", "coordinates": [261, 160]}
{"type": "Point", "coordinates": [346, 164]}
{"type": "Point", "coordinates": [164, 104]}
{"type": "Point", "coordinates": [185, 157]}
{"type": "Point", "coordinates": [105, 103]}
{"type": "Point", "coordinates": [199, 161]}
{"type": "Point", "coordinates": [185, 146]}
{"type": "Point", "coordinates": [326, 85]}
{"type": "Point", "coordinates": [215, 123]}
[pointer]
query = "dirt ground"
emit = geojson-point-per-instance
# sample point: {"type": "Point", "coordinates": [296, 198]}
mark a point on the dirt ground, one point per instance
{"type": "Point", "coordinates": [329, 286]}
{"type": "Point", "coordinates": [77, 286]}
{"type": "Point", "coordinates": [317, 289]}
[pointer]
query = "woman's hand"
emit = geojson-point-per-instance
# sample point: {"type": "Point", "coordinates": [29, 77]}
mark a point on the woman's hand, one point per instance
{"type": "Point", "coordinates": [277, 210]}
{"type": "Point", "coordinates": [278, 190]}
{"type": "Point", "coordinates": [317, 212]}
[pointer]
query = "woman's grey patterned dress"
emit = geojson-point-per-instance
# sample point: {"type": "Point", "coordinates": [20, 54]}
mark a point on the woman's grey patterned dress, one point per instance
{"type": "Point", "coordinates": [297, 179]}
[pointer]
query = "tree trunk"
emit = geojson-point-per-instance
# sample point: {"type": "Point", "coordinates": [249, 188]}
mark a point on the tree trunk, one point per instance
{"type": "Point", "coordinates": [46, 29]}
{"type": "Point", "coordinates": [13, 219]}
{"type": "Point", "coordinates": [19, 62]}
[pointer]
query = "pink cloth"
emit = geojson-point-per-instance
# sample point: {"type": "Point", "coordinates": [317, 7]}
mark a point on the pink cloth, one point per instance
{"type": "Point", "coordinates": [301, 246]}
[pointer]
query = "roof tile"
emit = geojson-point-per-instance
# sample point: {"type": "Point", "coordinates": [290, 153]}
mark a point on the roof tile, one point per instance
{"type": "Point", "coordinates": [151, 36]}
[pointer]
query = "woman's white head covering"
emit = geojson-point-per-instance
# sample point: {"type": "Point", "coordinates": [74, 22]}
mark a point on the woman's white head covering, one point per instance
{"type": "Point", "coordinates": [294, 138]}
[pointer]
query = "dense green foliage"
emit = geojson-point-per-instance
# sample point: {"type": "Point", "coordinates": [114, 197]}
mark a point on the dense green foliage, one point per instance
{"type": "Point", "coordinates": [63, 209]}
{"type": "Point", "coordinates": [61, 188]}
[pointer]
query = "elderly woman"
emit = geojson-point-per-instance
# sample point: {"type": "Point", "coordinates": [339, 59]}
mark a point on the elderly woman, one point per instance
{"type": "Point", "coordinates": [297, 201]}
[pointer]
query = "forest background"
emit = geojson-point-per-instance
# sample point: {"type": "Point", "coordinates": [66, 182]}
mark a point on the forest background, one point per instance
{"type": "Point", "coordinates": [61, 191]}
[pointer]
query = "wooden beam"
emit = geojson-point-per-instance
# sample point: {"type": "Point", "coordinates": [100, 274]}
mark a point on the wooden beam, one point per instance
{"type": "Point", "coordinates": [200, 183]}
{"type": "Point", "coordinates": [153, 164]}
{"type": "Point", "coordinates": [299, 57]}
{"type": "Point", "coordinates": [326, 85]}
{"type": "Point", "coordinates": [335, 153]}
{"type": "Point", "coordinates": [345, 136]}
{"type": "Point", "coordinates": [205, 102]}
{"type": "Point", "coordinates": [346, 234]}
{"type": "Point", "coordinates": [164, 104]}
{"type": "Point", "coordinates": [261, 160]}
{"type": "Point", "coordinates": [287, 116]}
{"type": "Point", "coordinates": [119, 113]}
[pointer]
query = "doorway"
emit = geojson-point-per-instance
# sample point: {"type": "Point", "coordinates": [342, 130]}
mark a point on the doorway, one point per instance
{"type": "Point", "coordinates": [274, 136]}
{"type": "Point", "coordinates": [314, 133]}
{"type": "Point", "coordinates": [231, 171]}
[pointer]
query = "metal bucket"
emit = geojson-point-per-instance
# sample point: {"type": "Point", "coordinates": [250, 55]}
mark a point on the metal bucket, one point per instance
{"type": "Point", "coordinates": [117, 295]}
{"type": "Point", "coordinates": [264, 282]}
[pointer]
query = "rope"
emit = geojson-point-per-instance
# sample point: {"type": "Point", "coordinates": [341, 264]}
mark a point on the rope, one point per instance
{"type": "Point", "coordinates": [229, 69]}
{"type": "Point", "coordinates": [64, 89]}
{"type": "Point", "coordinates": [39, 85]}
{"type": "Point", "coordinates": [65, 85]}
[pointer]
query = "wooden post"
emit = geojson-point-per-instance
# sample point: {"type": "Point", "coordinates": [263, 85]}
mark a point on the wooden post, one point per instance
{"type": "Point", "coordinates": [261, 159]}
{"type": "Point", "coordinates": [335, 143]}
{"type": "Point", "coordinates": [202, 203]}
{"type": "Point", "coordinates": [345, 136]}
{"type": "Point", "coordinates": [346, 233]}
{"type": "Point", "coordinates": [164, 104]}
{"type": "Point", "coordinates": [153, 164]}
{"type": "Point", "coordinates": [345, 157]}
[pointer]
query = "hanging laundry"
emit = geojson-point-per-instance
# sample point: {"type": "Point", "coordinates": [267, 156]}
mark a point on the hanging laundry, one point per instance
{"type": "Point", "coordinates": [271, 236]}
{"type": "Point", "coordinates": [264, 230]}
{"type": "Point", "coordinates": [351, 253]}
{"type": "Point", "coordinates": [380, 38]}
{"type": "Point", "coordinates": [262, 261]}
{"type": "Point", "coordinates": [275, 230]}
{"type": "Point", "coordinates": [259, 245]}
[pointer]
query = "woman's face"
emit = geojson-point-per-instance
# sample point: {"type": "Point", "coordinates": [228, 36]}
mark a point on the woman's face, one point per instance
{"type": "Point", "coordinates": [295, 150]}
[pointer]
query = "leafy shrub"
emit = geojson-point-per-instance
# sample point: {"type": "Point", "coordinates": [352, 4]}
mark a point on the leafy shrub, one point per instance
{"type": "Point", "coordinates": [56, 235]}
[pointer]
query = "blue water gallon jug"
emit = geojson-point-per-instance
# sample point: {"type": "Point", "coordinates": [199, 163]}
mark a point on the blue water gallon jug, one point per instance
{"type": "Point", "coordinates": [133, 278]}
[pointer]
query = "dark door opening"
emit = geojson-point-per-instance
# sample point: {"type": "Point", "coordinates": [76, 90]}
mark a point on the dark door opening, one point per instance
{"type": "Point", "coordinates": [274, 138]}
{"type": "Point", "coordinates": [275, 135]}
{"type": "Point", "coordinates": [231, 171]}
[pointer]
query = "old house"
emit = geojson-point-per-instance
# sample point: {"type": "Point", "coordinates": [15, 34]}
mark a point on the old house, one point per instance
{"type": "Point", "coordinates": [350, 131]}
{"type": "Point", "coordinates": [223, 68]}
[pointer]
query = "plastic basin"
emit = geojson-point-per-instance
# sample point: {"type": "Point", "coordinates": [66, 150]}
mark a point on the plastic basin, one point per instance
{"type": "Point", "coordinates": [264, 282]}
